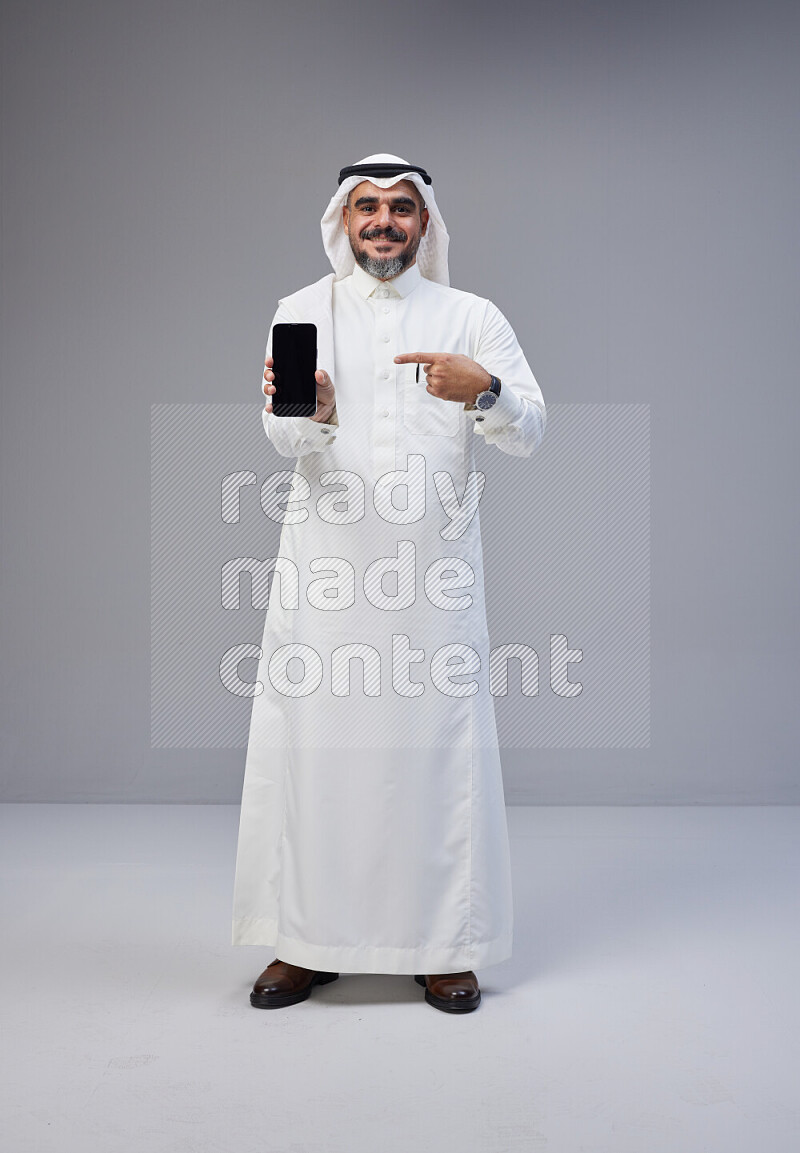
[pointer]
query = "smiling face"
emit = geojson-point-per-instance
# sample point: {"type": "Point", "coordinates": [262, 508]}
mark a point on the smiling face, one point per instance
{"type": "Point", "coordinates": [385, 226]}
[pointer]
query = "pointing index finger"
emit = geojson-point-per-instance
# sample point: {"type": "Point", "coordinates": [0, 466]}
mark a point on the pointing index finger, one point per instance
{"type": "Point", "coordinates": [417, 358]}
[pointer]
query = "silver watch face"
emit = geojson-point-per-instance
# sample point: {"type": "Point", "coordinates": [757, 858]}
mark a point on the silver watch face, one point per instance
{"type": "Point", "coordinates": [485, 400]}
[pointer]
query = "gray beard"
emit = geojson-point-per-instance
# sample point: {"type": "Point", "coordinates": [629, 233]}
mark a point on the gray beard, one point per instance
{"type": "Point", "coordinates": [385, 269]}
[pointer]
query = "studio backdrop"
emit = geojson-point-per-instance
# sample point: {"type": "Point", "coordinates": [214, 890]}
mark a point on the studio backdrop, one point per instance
{"type": "Point", "coordinates": [620, 180]}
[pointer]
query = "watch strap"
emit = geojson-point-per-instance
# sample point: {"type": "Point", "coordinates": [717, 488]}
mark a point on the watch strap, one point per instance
{"type": "Point", "coordinates": [494, 386]}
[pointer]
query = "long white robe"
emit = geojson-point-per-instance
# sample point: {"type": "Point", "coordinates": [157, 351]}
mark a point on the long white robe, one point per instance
{"type": "Point", "coordinates": [373, 831]}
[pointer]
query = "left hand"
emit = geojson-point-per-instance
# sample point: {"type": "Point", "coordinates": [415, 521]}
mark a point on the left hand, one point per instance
{"type": "Point", "coordinates": [451, 375]}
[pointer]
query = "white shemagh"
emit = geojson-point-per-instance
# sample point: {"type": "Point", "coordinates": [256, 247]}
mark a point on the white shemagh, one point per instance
{"type": "Point", "coordinates": [316, 302]}
{"type": "Point", "coordinates": [432, 254]}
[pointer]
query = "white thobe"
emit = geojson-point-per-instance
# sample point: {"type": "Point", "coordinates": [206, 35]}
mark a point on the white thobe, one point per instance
{"type": "Point", "coordinates": [373, 832]}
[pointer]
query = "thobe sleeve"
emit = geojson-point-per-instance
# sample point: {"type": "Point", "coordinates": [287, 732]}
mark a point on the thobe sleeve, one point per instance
{"type": "Point", "coordinates": [296, 435]}
{"type": "Point", "coordinates": [516, 422]}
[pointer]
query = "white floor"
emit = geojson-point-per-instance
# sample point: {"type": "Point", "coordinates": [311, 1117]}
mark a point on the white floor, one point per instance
{"type": "Point", "coordinates": [651, 1004]}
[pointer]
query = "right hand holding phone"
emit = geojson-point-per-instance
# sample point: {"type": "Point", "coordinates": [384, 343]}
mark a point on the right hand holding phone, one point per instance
{"type": "Point", "coordinates": [326, 397]}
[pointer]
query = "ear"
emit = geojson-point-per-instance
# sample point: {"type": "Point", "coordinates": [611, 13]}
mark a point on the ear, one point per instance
{"type": "Point", "coordinates": [346, 218]}
{"type": "Point", "coordinates": [424, 217]}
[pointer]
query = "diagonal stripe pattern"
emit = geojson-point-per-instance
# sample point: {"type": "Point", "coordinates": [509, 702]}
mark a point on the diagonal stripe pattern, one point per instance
{"type": "Point", "coordinates": [566, 540]}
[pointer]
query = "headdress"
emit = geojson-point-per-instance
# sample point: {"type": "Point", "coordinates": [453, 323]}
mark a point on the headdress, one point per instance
{"type": "Point", "coordinates": [385, 170]}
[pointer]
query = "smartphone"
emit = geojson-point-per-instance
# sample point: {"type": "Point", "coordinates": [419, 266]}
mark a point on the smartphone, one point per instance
{"type": "Point", "coordinates": [294, 355]}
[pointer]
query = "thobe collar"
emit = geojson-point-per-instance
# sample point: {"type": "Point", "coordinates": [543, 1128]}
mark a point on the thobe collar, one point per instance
{"type": "Point", "coordinates": [401, 285]}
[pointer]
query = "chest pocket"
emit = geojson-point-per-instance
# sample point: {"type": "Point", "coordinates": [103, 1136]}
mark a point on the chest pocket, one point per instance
{"type": "Point", "coordinates": [426, 415]}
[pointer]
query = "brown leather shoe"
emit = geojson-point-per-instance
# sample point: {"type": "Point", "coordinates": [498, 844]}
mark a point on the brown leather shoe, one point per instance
{"type": "Point", "coordinates": [451, 992]}
{"type": "Point", "coordinates": [282, 984]}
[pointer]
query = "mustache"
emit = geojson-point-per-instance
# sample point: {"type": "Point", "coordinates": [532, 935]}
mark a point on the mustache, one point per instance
{"type": "Point", "coordinates": [384, 233]}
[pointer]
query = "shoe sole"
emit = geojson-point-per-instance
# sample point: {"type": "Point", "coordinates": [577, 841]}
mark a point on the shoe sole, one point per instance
{"type": "Point", "coordinates": [281, 1000]}
{"type": "Point", "coordinates": [465, 1006]}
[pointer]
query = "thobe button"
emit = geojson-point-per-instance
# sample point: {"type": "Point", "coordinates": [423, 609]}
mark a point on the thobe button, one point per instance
{"type": "Point", "coordinates": [386, 308]}
{"type": "Point", "coordinates": [386, 339]}
{"type": "Point", "coordinates": [386, 374]}
{"type": "Point", "coordinates": [326, 430]}
{"type": "Point", "coordinates": [386, 412]}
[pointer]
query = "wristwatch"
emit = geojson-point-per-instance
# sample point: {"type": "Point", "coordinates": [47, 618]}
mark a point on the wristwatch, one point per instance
{"type": "Point", "coordinates": [489, 397]}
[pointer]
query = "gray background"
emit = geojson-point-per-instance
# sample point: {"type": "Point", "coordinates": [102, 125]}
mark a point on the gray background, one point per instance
{"type": "Point", "coordinates": [622, 180]}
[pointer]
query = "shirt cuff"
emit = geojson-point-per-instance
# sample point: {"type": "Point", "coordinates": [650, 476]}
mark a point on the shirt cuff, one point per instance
{"type": "Point", "coordinates": [508, 407]}
{"type": "Point", "coordinates": [315, 433]}
{"type": "Point", "coordinates": [308, 431]}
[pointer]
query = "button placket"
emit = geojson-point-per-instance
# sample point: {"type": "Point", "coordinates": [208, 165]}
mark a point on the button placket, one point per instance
{"type": "Point", "coordinates": [385, 401]}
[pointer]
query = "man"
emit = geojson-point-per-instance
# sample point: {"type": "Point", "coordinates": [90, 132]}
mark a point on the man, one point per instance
{"type": "Point", "coordinates": [373, 833]}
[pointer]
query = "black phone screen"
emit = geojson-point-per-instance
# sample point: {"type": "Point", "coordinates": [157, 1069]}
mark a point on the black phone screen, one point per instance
{"type": "Point", "coordinates": [294, 354]}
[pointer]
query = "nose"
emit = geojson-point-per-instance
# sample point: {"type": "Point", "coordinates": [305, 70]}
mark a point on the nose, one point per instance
{"type": "Point", "coordinates": [384, 215]}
